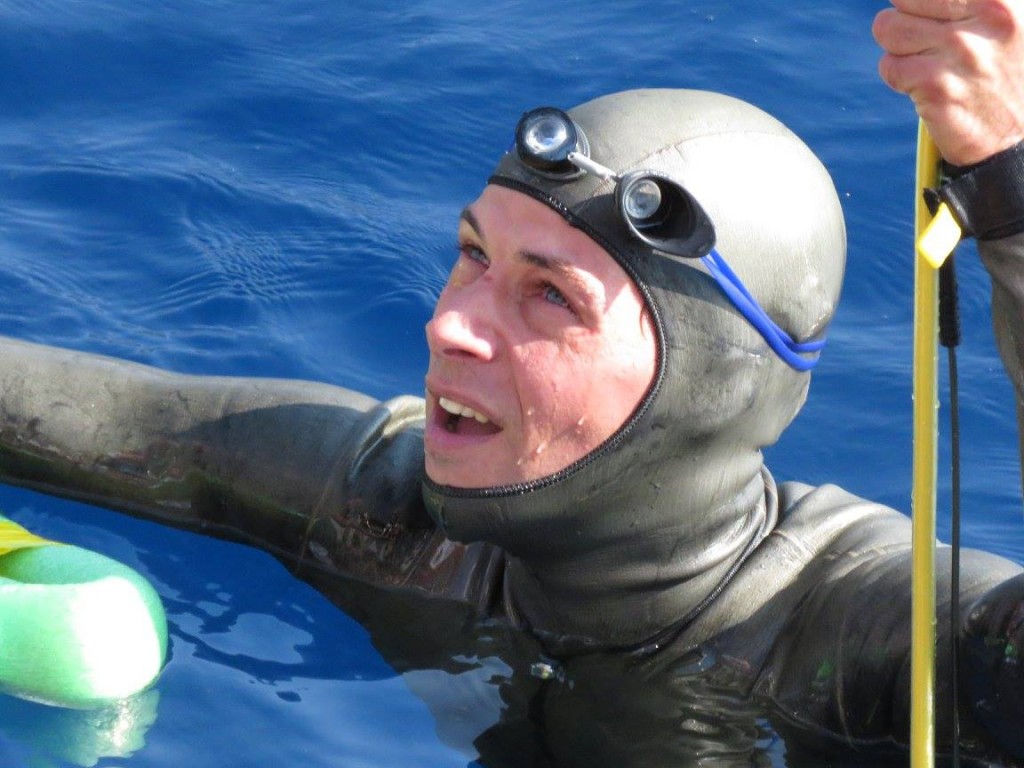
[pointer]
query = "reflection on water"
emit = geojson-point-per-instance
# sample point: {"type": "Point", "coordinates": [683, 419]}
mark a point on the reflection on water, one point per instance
{"type": "Point", "coordinates": [51, 736]}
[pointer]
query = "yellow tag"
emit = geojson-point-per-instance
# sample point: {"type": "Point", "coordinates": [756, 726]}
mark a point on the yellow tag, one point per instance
{"type": "Point", "coordinates": [13, 536]}
{"type": "Point", "coordinates": [939, 238]}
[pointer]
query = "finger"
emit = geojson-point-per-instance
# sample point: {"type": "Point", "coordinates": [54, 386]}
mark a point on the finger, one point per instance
{"type": "Point", "coordinates": [939, 10]}
{"type": "Point", "coordinates": [903, 35]}
{"type": "Point", "coordinates": [893, 71]}
{"type": "Point", "coordinates": [919, 76]}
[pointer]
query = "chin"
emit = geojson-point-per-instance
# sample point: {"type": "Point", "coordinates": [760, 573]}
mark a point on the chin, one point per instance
{"type": "Point", "coordinates": [454, 477]}
{"type": "Point", "coordinates": [463, 476]}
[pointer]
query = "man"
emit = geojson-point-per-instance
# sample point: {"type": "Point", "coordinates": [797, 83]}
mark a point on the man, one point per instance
{"type": "Point", "coordinates": [641, 290]}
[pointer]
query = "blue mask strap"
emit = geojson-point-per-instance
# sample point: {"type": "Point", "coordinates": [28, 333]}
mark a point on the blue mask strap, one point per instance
{"type": "Point", "coordinates": [780, 341]}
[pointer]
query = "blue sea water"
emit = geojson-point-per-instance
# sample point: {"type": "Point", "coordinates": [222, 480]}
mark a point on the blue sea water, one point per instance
{"type": "Point", "coordinates": [271, 189]}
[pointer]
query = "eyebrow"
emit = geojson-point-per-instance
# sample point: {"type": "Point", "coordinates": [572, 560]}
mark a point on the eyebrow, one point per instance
{"type": "Point", "coordinates": [470, 218]}
{"type": "Point", "coordinates": [562, 267]}
{"type": "Point", "coordinates": [544, 261]}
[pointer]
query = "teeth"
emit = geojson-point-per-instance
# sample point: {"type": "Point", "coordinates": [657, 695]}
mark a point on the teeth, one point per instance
{"type": "Point", "coordinates": [458, 409]}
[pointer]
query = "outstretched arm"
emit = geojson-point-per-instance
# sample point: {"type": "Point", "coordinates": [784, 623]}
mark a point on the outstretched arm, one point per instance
{"type": "Point", "coordinates": [268, 462]}
{"type": "Point", "coordinates": [962, 64]}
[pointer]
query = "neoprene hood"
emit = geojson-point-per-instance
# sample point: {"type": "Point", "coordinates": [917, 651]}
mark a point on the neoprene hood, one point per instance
{"type": "Point", "coordinates": [634, 539]}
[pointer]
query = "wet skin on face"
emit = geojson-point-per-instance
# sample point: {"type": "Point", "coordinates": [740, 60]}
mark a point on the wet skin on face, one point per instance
{"type": "Point", "coordinates": [540, 348]}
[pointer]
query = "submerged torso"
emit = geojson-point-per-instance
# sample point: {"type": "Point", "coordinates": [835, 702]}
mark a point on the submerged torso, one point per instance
{"type": "Point", "coordinates": [810, 633]}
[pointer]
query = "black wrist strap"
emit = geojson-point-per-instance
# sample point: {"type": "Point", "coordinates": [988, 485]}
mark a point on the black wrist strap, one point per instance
{"type": "Point", "coordinates": [986, 199]}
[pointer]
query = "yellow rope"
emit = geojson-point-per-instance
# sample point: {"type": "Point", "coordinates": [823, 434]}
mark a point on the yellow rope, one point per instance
{"type": "Point", "coordinates": [935, 239]}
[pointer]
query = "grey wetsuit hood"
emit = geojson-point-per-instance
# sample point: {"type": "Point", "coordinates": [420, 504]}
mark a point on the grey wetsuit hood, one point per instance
{"type": "Point", "coordinates": [626, 545]}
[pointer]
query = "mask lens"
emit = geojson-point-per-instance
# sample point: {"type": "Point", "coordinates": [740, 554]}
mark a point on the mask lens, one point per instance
{"type": "Point", "coordinates": [546, 135]}
{"type": "Point", "coordinates": [641, 202]}
{"type": "Point", "coordinates": [662, 214]}
{"type": "Point", "coordinates": [544, 139]}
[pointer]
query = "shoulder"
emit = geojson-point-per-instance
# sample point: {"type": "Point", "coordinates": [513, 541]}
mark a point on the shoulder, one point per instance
{"type": "Point", "coordinates": [820, 533]}
{"type": "Point", "coordinates": [827, 518]}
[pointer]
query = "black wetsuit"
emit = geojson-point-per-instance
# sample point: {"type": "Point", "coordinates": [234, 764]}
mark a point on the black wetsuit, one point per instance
{"type": "Point", "coordinates": [813, 620]}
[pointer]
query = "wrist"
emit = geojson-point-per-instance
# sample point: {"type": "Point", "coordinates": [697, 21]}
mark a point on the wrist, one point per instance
{"type": "Point", "coordinates": [987, 198]}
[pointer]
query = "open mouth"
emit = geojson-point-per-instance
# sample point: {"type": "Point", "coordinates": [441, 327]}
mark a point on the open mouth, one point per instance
{"type": "Point", "coordinates": [460, 419]}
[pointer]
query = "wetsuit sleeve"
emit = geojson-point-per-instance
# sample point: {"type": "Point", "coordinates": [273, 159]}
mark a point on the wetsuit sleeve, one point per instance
{"type": "Point", "coordinates": [1004, 260]}
{"type": "Point", "coordinates": [325, 479]}
{"type": "Point", "coordinates": [992, 645]}
{"type": "Point", "coordinates": [838, 672]}
{"type": "Point", "coordinates": [841, 671]}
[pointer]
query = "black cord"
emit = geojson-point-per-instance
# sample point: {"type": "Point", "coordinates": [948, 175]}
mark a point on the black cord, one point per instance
{"type": "Point", "coordinates": [949, 336]}
{"type": "Point", "coordinates": [954, 579]}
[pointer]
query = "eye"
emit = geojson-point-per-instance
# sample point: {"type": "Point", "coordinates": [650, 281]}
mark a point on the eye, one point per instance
{"type": "Point", "coordinates": [474, 253]}
{"type": "Point", "coordinates": [555, 296]}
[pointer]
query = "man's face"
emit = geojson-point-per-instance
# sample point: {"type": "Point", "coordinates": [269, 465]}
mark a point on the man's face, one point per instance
{"type": "Point", "coordinates": [540, 347]}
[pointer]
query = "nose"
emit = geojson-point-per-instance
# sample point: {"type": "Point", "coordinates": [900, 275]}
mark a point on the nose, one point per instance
{"type": "Point", "coordinates": [463, 324]}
